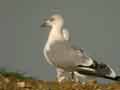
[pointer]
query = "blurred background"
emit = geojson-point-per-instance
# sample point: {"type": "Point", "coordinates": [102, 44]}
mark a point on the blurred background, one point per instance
{"type": "Point", "coordinates": [94, 25]}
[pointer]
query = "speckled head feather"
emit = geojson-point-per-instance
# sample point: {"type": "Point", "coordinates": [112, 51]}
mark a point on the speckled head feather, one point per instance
{"type": "Point", "coordinates": [55, 20]}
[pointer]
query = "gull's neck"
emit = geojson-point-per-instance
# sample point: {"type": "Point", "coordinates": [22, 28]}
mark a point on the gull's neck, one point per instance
{"type": "Point", "coordinates": [55, 34]}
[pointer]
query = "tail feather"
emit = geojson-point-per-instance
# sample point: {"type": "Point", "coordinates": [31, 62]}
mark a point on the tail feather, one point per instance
{"type": "Point", "coordinates": [117, 78]}
{"type": "Point", "coordinates": [100, 70]}
{"type": "Point", "coordinates": [105, 70]}
{"type": "Point", "coordinates": [91, 73]}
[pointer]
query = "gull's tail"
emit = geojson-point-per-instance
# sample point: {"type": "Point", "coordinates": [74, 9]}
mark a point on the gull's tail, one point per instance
{"type": "Point", "coordinates": [99, 70]}
{"type": "Point", "coordinates": [117, 78]}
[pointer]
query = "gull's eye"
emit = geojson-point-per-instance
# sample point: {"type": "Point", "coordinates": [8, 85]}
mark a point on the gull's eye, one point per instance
{"type": "Point", "coordinates": [51, 19]}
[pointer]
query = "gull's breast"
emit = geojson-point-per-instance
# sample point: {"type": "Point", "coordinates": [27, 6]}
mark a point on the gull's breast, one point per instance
{"type": "Point", "coordinates": [45, 52]}
{"type": "Point", "coordinates": [58, 55]}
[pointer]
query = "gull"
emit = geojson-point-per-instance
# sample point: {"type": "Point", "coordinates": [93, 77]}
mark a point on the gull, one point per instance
{"type": "Point", "coordinates": [60, 53]}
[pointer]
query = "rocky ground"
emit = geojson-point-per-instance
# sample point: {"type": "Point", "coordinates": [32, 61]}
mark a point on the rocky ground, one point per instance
{"type": "Point", "coordinates": [15, 81]}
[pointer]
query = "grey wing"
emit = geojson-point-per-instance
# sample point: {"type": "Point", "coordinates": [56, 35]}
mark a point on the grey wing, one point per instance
{"type": "Point", "coordinates": [82, 58]}
{"type": "Point", "coordinates": [63, 54]}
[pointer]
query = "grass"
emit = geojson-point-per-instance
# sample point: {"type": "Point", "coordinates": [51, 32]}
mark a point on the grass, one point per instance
{"type": "Point", "coordinates": [18, 75]}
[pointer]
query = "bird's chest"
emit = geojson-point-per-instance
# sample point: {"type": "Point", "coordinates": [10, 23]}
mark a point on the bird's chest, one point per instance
{"type": "Point", "coordinates": [51, 54]}
{"type": "Point", "coordinates": [49, 51]}
{"type": "Point", "coordinates": [58, 55]}
{"type": "Point", "coordinates": [46, 53]}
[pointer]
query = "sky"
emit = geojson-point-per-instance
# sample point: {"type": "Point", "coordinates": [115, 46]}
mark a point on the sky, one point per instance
{"type": "Point", "coordinates": [93, 24]}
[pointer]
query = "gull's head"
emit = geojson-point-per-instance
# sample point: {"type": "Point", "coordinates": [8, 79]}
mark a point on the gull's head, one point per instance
{"type": "Point", "coordinates": [54, 21]}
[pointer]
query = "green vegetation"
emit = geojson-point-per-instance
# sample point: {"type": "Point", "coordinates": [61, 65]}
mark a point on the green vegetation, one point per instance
{"type": "Point", "coordinates": [18, 75]}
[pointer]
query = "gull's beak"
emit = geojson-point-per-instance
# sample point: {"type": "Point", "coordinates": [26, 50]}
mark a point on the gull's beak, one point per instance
{"type": "Point", "coordinates": [44, 25]}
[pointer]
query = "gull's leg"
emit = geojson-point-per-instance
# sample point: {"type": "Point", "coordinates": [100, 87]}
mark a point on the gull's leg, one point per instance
{"type": "Point", "coordinates": [72, 76]}
{"type": "Point", "coordinates": [75, 77]}
{"type": "Point", "coordinates": [60, 75]}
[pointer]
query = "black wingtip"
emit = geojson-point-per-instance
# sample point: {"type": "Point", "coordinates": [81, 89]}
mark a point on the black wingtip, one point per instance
{"type": "Point", "coordinates": [117, 78]}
